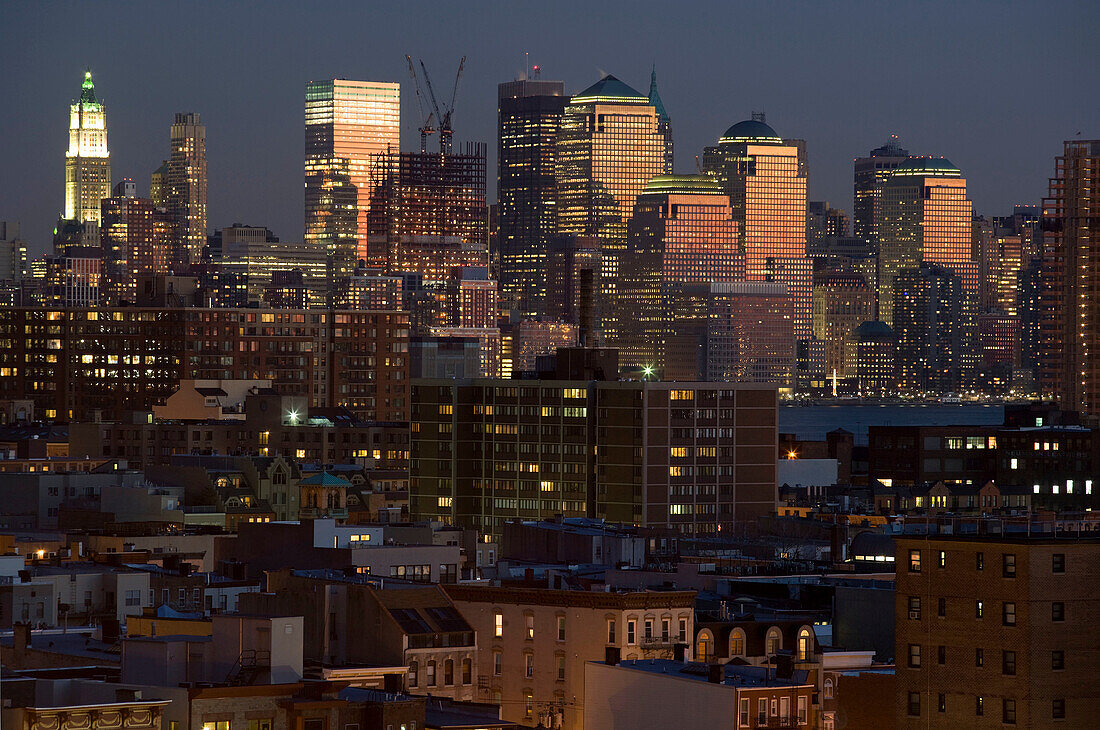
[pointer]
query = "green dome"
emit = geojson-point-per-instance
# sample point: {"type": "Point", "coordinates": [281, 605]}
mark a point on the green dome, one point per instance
{"type": "Point", "coordinates": [750, 131]}
{"type": "Point", "coordinates": [927, 167]}
{"type": "Point", "coordinates": [610, 90]}
{"type": "Point", "coordinates": [682, 184]}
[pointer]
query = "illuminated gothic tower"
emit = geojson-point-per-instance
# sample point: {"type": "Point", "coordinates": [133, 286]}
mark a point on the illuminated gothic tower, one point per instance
{"type": "Point", "coordinates": [87, 162]}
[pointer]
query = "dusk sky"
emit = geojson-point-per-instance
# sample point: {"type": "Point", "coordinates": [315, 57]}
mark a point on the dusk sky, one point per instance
{"type": "Point", "coordinates": [995, 87]}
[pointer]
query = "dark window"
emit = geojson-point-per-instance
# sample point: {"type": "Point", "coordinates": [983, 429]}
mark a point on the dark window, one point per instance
{"type": "Point", "coordinates": [1008, 613]}
{"type": "Point", "coordinates": [914, 704]}
{"type": "Point", "coordinates": [941, 654]}
{"type": "Point", "coordinates": [979, 561]}
{"type": "Point", "coordinates": [941, 607]}
{"type": "Point", "coordinates": [1008, 712]}
{"type": "Point", "coordinates": [1057, 611]}
{"type": "Point", "coordinates": [1058, 659]}
{"type": "Point", "coordinates": [979, 658]}
{"type": "Point", "coordinates": [914, 608]}
{"type": "Point", "coordinates": [1058, 563]}
{"type": "Point", "coordinates": [1008, 663]}
{"type": "Point", "coordinates": [941, 703]}
{"type": "Point", "coordinates": [1058, 709]}
{"type": "Point", "coordinates": [914, 655]}
{"type": "Point", "coordinates": [1008, 565]}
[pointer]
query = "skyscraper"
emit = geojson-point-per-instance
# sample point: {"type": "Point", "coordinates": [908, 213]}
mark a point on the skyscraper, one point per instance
{"type": "Point", "coordinates": [1070, 323]}
{"type": "Point", "coordinates": [528, 116]}
{"type": "Point", "coordinates": [870, 174]}
{"type": "Point", "coordinates": [137, 238]}
{"type": "Point", "coordinates": [348, 125]}
{"type": "Point", "coordinates": [87, 161]}
{"type": "Point", "coordinates": [926, 217]}
{"type": "Point", "coordinates": [927, 312]}
{"type": "Point", "coordinates": [610, 145]}
{"type": "Point", "coordinates": [664, 121]}
{"type": "Point", "coordinates": [185, 188]}
{"type": "Point", "coordinates": [682, 232]}
{"type": "Point", "coordinates": [767, 187]}
{"type": "Point", "coordinates": [842, 302]}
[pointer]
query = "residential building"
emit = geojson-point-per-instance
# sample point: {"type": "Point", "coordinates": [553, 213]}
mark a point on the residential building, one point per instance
{"type": "Point", "coordinates": [535, 645]}
{"type": "Point", "coordinates": [928, 310]}
{"type": "Point", "coordinates": [876, 358]}
{"type": "Point", "coordinates": [696, 457]}
{"type": "Point", "coordinates": [842, 302]}
{"type": "Point", "coordinates": [136, 238]}
{"type": "Point", "coordinates": [995, 631]}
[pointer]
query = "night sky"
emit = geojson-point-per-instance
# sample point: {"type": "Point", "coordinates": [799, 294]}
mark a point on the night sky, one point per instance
{"type": "Point", "coordinates": [993, 86]}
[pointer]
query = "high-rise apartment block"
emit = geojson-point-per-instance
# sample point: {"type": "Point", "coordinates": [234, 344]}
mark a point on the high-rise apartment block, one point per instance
{"type": "Point", "coordinates": [348, 125]}
{"type": "Point", "coordinates": [842, 302]}
{"type": "Point", "coordinates": [137, 239]}
{"type": "Point", "coordinates": [184, 188]}
{"type": "Point", "coordinates": [87, 161]}
{"type": "Point", "coordinates": [13, 254]}
{"type": "Point", "coordinates": [767, 188]}
{"type": "Point", "coordinates": [608, 148]}
{"type": "Point", "coordinates": [1070, 324]}
{"type": "Point", "coordinates": [697, 457]}
{"type": "Point", "coordinates": [926, 217]}
{"type": "Point", "coordinates": [682, 232]}
{"type": "Point", "coordinates": [995, 632]}
{"type": "Point", "coordinates": [871, 173]}
{"type": "Point", "coordinates": [529, 114]}
{"type": "Point", "coordinates": [927, 320]}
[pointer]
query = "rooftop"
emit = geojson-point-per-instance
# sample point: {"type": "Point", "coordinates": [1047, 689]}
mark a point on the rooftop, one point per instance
{"type": "Point", "coordinates": [682, 185]}
{"type": "Point", "coordinates": [610, 90]}
{"type": "Point", "coordinates": [733, 675]}
{"type": "Point", "coordinates": [750, 131]}
{"type": "Point", "coordinates": [927, 167]}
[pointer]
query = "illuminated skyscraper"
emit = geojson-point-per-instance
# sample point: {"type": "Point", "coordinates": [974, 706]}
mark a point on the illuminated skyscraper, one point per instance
{"type": "Point", "coordinates": [184, 188]}
{"type": "Point", "coordinates": [664, 121]}
{"type": "Point", "coordinates": [682, 232]}
{"type": "Point", "coordinates": [1070, 306]}
{"type": "Point", "coordinates": [842, 302]}
{"type": "Point", "coordinates": [528, 116]}
{"type": "Point", "coordinates": [927, 311]}
{"type": "Point", "coordinates": [926, 217]}
{"type": "Point", "coordinates": [610, 145]}
{"type": "Point", "coordinates": [348, 125]}
{"type": "Point", "coordinates": [767, 188]}
{"type": "Point", "coordinates": [87, 161]}
{"type": "Point", "coordinates": [136, 238]}
{"type": "Point", "coordinates": [870, 174]}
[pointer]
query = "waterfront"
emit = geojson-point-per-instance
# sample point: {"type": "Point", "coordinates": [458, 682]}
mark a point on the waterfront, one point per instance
{"type": "Point", "coordinates": [813, 422]}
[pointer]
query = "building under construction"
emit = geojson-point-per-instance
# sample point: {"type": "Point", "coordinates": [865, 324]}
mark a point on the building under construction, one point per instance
{"type": "Point", "coordinates": [421, 196]}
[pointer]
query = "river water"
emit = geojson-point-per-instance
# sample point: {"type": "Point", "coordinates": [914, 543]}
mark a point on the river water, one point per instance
{"type": "Point", "coordinates": [813, 422]}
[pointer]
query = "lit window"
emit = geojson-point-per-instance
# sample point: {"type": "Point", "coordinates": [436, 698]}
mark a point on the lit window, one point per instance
{"type": "Point", "coordinates": [498, 624]}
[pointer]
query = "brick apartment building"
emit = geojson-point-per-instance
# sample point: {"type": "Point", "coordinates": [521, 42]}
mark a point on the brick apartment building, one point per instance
{"type": "Point", "coordinates": [995, 632]}
{"type": "Point", "coordinates": [696, 457]}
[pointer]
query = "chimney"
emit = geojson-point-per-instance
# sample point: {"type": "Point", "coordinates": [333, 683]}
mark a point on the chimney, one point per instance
{"type": "Point", "coordinates": [714, 673]}
{"type": "Point", "coordinates": [21, 635]}
{"type": "Point", "coordinates": [611, 656]}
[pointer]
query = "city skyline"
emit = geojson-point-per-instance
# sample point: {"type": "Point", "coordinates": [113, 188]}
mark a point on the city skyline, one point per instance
{"type": "Point", "coordinates": [843, 109]}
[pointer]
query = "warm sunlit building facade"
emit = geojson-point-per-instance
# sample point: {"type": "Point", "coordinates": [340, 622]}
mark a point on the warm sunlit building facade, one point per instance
{"type": "Point", "coordinates": [348, 124]}
{"type": "Point", "coordinates": [682, 232]}
{"type": "Point", "coordinates": [926, 217]}
{"type": "Point", "coordinates": [87, 161]}
{"type": "Point", "coordinates": [842, 302]}
{"type": "Point", "coordinates": [766, 184]}
{"type": "Point", "coordinates": [870, 174]}
{"type": "Point", "coordinates": [185, 187]}
{"type": "Point", "coordinates": [609, 147]}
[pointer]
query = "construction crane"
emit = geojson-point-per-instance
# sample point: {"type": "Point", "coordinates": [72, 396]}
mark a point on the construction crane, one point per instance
{"type": "Point", "coordinates": [425, 124]}
{"type": "Point", "coordinates": [443, 116]}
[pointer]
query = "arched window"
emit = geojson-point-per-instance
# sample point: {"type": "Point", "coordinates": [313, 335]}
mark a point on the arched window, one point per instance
{"type": "Point", "coordinates": [466, 671]}
{"type": "Point", "coordinates": [737, 643]}
{"type": "Point", "coordinates": [449, 672]}
{"type": "Point", "coordinates": [704, 646]}
{"type": "Point", "coordinates": [828, 688]}
{"type": "Point", "coordinates": [805, 644]}
{"type": "Point", "coordinates": [775, 641]}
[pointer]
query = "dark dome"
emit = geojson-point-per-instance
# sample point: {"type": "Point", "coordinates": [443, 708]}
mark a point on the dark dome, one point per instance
{"type": "Point", "coordinates": [750, 130]}
{"type": "Point", "coordinates": [874, 331]}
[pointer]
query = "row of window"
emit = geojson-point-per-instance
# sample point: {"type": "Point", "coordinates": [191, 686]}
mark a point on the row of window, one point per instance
{"type": "Point", "coordinates": [1008, 562]}
{"type": "Point", "coordinates": [1008, 707]}
{"type": "Point", "coordinates": [1008, 610]}
{"type": "Point", "coordinates": [430, 679]}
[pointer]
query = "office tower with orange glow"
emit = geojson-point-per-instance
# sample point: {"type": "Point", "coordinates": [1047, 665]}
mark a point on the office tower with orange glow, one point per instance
{"type": "Point", "coordinates": [1069, 301]}
{"type": "Point", "coordinates": [871, 173]}
{"type": "Point", "coordinates": [682, 232]}
{"type": "Point", "coordinates": [87, 161]}
{"type": "Point", "coordinates": [528, 116]}
{"type": "Point", "coordinates": [609, 147]}
{"type": "Point", "coordinates": [184, 188]}
{"type": "Point", "coordinates": [766, 184]}
{"type": "Point", "coordinates": [348, 125]}
{"type": "Point", "coordinates": [926, 217]}
{"type": "Point", "coordinates": [137, 239]}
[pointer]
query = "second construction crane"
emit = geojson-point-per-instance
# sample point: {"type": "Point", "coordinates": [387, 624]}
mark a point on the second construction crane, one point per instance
{"type": "Point", "coordinates": [443, 116]}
